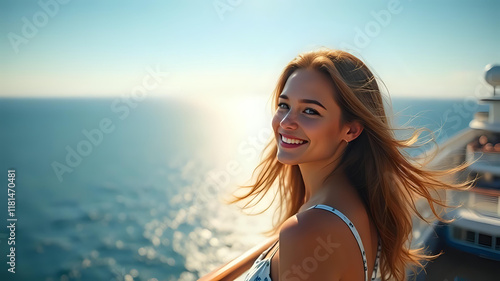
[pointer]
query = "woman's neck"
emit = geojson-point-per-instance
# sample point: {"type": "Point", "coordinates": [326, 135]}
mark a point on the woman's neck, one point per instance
{"type": "Point", "coordinates": [322, 186]}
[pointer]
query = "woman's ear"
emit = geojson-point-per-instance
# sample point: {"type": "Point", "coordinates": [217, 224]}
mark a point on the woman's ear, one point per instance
{"type": "Point", "coordinates": [354, 130]}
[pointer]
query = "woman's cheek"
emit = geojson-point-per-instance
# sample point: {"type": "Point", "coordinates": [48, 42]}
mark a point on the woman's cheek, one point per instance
{"type": "Point", "coordinates": [275, 122]}
{"type": "Point", "coordinates": [310, 124]}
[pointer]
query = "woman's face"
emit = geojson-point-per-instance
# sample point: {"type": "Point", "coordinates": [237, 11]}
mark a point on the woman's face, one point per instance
{"type": "Point", "coordinates": [307, 122]}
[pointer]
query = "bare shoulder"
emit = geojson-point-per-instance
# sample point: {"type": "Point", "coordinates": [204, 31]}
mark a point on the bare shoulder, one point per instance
{"type": "Point", "coordinates": [316, 245]}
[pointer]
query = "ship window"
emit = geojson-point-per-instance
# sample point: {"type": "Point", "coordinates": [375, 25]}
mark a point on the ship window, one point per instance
{"type": "Point", "coordinates": [470, 236]}
{"type": "Point", "coordinates": [485, 240]}
{"type": "Point", "coordinates": [497, 247]}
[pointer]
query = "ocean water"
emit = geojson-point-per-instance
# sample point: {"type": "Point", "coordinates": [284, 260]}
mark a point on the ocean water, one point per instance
{"type": "Point", "coordinates": [108, 189]}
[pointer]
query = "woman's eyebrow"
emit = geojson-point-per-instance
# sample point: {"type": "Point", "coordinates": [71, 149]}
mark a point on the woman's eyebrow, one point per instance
{"type": "Point", "coordinates": [304, 101]}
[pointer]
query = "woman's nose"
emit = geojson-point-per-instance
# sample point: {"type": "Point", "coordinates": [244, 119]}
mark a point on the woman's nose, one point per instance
{"type": "Point", "coordinates": [289, 121]}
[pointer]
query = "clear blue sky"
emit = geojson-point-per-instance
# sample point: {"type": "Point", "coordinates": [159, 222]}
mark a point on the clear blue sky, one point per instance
{"type": "Point", "coordinates": [102, 48]}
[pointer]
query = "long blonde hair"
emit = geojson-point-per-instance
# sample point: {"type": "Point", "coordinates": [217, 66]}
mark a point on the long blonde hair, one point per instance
{"type": "Point", "coordinates": [386, 178]}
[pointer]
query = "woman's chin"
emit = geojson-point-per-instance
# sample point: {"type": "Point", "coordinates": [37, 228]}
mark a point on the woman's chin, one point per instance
{"type": "Point", "coordinates": [287, 160]}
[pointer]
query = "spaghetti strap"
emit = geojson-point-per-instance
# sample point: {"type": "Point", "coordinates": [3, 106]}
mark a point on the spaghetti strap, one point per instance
{"type": "Point", "coordinates": [263, 254]}
{"type": "Point", "coordinates": [275, 250]}
{"type": "Point", "coordinates": [356, 235]}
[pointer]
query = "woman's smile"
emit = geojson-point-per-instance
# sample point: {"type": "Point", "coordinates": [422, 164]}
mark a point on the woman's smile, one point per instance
{"type": "Point", "coordinates": [287, 141]}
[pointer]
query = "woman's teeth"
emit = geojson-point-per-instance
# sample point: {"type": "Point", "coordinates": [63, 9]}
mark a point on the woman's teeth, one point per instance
{"type": "Point", "coordinates": [291, 141]}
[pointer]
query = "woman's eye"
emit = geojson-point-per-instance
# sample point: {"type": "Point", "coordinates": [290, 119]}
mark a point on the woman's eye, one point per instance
{"type": "Point", "coordinates": [282, 105]}
{"type": "Point", "coordinates": [311, 111]}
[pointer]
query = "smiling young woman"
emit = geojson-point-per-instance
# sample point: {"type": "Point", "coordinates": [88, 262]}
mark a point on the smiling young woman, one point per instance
{"type": "Point", "coordinates": [345, 185]}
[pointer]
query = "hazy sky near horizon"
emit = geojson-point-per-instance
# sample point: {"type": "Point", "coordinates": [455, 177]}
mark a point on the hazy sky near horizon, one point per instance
{"type": "Point", "coordinates": [92, 48]}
